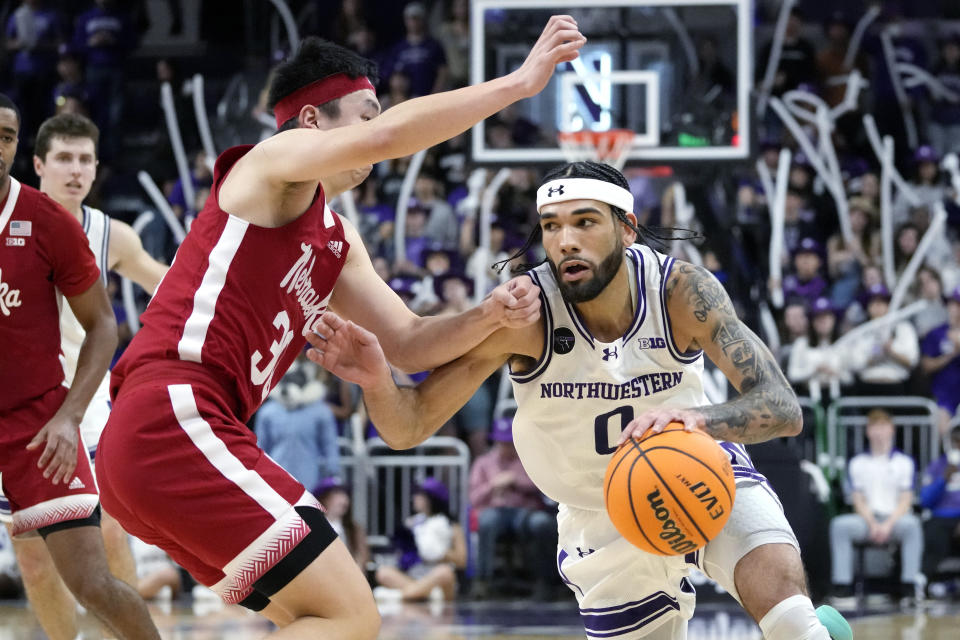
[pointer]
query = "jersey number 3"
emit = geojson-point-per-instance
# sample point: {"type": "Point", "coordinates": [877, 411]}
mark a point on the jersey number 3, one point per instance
{"type": "Point", "coordinates": [264, 376]}
{"type": "Point", "coordinates": [620, 417]}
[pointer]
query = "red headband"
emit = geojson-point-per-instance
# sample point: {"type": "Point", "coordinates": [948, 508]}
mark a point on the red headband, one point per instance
{"type": "Point", "coordinates": [318, 92]}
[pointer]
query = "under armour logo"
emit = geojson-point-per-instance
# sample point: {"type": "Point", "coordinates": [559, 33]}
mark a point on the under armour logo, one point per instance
{"type": "Point", "coordinates": [555, 190]}
{"type": "Point", "coordinates": [610, 352]}
{"type": "Point", "coordinates": [582, 553]}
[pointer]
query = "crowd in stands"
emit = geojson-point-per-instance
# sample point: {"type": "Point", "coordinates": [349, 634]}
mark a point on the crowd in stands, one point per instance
{"type": "Point", "coordinates": [76, 56]}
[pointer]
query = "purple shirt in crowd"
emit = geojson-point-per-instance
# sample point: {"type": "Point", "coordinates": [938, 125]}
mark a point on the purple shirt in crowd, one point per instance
{"type": "Point", "coordinates": [944, 384]}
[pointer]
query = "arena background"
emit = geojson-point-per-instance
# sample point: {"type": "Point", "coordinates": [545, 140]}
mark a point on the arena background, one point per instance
{"type": "Point", "coordinates": [771, 129]}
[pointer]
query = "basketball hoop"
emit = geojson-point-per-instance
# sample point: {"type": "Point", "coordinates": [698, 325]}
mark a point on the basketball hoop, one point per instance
{"type": "Point", "coordinates": [610, 146]}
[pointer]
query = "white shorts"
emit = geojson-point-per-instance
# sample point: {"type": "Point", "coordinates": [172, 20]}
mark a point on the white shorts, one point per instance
{"type": "Point", "coordinates": [94, 420]}
{"type": "Point", "coordinates": [626, 593]}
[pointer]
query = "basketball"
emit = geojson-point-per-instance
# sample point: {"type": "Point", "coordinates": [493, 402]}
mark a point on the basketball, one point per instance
{"type": "Point", "coordinates": [671, 492]}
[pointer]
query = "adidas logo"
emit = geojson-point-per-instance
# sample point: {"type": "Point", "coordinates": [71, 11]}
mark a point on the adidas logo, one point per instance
{"type": "Point", "coordinates": [77, 483]}
{"type": "Point", "coordinates": [335, 247]}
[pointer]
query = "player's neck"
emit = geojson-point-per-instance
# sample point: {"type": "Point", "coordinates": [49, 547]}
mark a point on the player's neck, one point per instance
{"type": "Point", "coordinates": [609, 314]}
{"type": "Point", "coordinates": [4, 188]}
{"type": "Point", "coordinates": [74, 207]}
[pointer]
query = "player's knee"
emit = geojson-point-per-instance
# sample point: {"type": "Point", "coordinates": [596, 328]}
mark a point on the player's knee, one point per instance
{"type": "Point", "coordinates": [114, 537]}
{"type": "Point", "coordinates": [793, 619]}
{"type": "Point", "coordinates": [35, 562]}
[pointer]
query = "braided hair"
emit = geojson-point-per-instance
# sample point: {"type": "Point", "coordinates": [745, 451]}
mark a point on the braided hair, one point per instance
{"type": "Point", "coordinates": [596, 171]}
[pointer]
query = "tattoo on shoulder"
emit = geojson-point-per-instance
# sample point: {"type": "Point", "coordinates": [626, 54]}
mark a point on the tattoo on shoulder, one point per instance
{"type": "Point", "coordinates": [701, 290]}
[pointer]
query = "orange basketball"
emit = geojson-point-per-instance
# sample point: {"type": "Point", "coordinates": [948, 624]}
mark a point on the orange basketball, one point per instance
{"type": "Point", "coordinates": [671, 492]}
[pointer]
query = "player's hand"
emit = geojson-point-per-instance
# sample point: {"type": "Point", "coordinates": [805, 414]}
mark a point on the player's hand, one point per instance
{"type": "Point", "coordinates": [348, 351]}
{"type": "Point", "coordinates": [560, 42]}
{"type": "Point", "coordinates": [59, 457]}
{"type": "Point", "coordinates": [515, 303]}
{"type": "Point", "coordinates": [655, 420]}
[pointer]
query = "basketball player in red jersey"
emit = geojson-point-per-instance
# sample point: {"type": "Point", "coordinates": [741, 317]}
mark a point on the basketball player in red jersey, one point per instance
{"type": "Point", "coordinates": [265, 258]}
{"type": "Point", "coordinates": [46, 476]}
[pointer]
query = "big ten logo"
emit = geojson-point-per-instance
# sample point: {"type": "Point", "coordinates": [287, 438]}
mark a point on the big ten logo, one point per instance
{"type": "Point", "coordinates": [652, 343]}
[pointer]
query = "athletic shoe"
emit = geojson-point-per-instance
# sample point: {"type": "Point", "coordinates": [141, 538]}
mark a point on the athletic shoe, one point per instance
{"type": "Point", "coordinates": [837, 626]}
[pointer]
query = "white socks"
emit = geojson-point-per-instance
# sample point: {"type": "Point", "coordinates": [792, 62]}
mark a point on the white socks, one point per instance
{"type": "Point", "coordinates": [793, 619]}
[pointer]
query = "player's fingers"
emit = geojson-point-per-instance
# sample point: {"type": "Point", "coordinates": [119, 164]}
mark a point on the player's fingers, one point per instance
{"type": "Point", "coordinates": [43, 462]}
{"type": "Point", "coordinates": [690, 423]}
{"type": "Point", "coordinates": [661, 422]}
{"type": "Point", "coordinates": [316, 339]}
{"type": "Point", "coordinates": [65, 469]}
{"type": "Point", "coordinates": [37, 439]}
{"type": "Point", "coordinates": [315, 355]}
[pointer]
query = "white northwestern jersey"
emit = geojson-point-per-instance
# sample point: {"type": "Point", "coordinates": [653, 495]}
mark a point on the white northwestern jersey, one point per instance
{"type": "Point", "coordinates": [96, 224]}
{"type": "Point", "coordinates": [582, 393]}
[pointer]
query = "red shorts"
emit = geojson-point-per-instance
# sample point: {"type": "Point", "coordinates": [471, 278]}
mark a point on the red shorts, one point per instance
{"type": "Point", "coordinates": [179, 471]}
{"type": "Point", "coordinates": [36, 502]}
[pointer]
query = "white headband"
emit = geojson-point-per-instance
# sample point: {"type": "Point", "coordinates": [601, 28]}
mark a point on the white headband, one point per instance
{"type": "Point", "coordinates": [564, 189]}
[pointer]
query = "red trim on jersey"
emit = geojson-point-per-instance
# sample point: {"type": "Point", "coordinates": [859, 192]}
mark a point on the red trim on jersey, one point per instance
{"type": "Point", "coordinates": [318, 92]}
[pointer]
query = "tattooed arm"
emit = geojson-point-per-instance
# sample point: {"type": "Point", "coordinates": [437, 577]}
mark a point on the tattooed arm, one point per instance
{"type": "Point", "coordinates": [702, 317]}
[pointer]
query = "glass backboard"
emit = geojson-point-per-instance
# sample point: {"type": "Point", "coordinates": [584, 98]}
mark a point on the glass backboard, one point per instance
{"type": "Point", "coordinates": [676, 72]}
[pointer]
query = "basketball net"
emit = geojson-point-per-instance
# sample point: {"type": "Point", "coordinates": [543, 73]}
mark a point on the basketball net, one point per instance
{"type": "Point", "coordinates": [609, 146]}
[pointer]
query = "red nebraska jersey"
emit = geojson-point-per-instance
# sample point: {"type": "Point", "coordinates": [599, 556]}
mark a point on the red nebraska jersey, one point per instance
{"type": "Point", "coordinates": [237, 297]}
{"type": "Point", "coordinates": [42, 249]}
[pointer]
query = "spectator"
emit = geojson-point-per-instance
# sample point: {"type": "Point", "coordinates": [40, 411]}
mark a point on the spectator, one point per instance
{"type": "Point", "coordinates": [105, 37]}
{"type": "Point", "coordinates": [70, 83]}
{"type": "Point", "coordinates": [880, 484]}
{"type": "Point", "coordinates": [454, 34]}
{"type": "Point", "coordinates": [507, 503]}
{"type": "Point", "coordinates": [296, 427]}
{"type": "Point", "coordinates": [335, 498]}
{"type": "Point", "coordinates": [930, 289]}
{"type": "Point", "coordinates": [795, 324]}
{"type": "Point", "coordinates": [442, 225]}
{"type": "Point", "coordinates": [797, 58]}
{"type": "Point", "coordinates": [883, 360]}
{"type": "Point", "coordinates": [943, 129]}
{"type": "Point", "coordinates": [941, 361]}
{"type": "Point", "coordinates": [926, 184]}
{"type": "Point", "coordinates": [830, 61]}
{"type": "Point", "coordinates": [941, 495]}
{"type": "Point", "coordinates": [439, 549]}
{"type": "Point", "coordinates": [34, 34]}
{"type": "Point", "coordinates": [398, 90]}
{"type": "Point", "coordinates": [201, 178]}
{"type": "Point", "coordinates": [419, 55]}
{"type": "Point", "coordinates": [799, 220]}
{"type": "Point", "coordinates": [813, 360]}
{"type": "Point", "coordinates": [806, 282]}
{"type": "Point", "coordinates": [846, 260]}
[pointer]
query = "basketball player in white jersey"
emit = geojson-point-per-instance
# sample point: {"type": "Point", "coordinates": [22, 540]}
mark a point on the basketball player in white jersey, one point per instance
{"type": "Point", "coordinates": [620, 347]}
{"type": "Point", "coordinates": [65, 159]}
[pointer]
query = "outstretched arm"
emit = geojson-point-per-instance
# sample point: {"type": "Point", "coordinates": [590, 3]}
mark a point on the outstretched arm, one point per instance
{"type": "Point", "coordinates": [703, 317]}
{"type": "Point", "coordinates": [128, 258]}
{"type": "Point", "coordinates": [414, 343]}
{"type": "Point", "coordinates": [405, 417]}
{"type": "Point", "coordinates": [305, 155]}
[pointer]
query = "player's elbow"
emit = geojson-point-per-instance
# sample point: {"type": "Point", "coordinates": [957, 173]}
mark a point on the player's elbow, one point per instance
{"type": "Point", "coordinates": [793, 417]}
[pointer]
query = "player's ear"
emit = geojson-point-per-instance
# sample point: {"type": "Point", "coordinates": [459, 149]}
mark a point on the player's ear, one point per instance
{"type": "Point", "coordinates": [309, 117]}
{"type": "Point", "coordinates": [628, 234]}
{"type": "Point", "coordinates": [38, 166]}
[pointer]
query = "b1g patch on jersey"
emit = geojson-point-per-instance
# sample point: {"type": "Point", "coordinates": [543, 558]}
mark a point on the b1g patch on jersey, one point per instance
{"type": "Point", "coordinates": [652, 343]}
{"type": "Point", "coordinates": [563, 340]}
{"type": "Point", "coordinates": [16, 242]}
